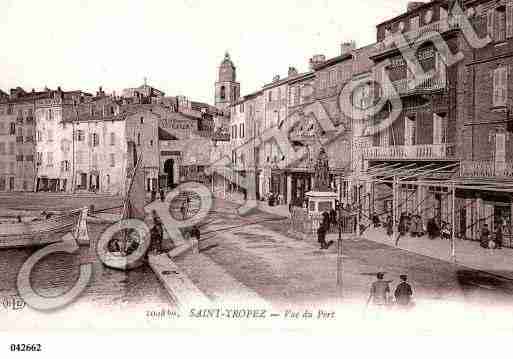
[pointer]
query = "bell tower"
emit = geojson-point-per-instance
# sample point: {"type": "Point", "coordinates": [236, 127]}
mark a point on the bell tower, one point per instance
{"type": "Point", "coordinates": [227, 87]}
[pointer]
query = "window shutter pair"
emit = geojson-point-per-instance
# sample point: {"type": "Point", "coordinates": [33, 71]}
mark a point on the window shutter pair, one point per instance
{"type": "Point", "coordinates": [500, 86]}
{"type": "Point", "coordinates": [509, 20]}
{"type": "Point", "coordinates": [490, 17]}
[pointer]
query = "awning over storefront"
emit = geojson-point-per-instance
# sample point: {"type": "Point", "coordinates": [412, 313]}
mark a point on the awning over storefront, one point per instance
{"type": "Point", "coordinates": [434, 174]}
{"type": "Point", "coordinates": [412, 171]}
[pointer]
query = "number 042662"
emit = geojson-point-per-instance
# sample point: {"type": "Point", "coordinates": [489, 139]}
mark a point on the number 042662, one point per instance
{"type": "Point", "coordinates": [25, 347]}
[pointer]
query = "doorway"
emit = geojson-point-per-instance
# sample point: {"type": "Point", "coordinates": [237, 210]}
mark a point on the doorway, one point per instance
{"type": "Point", "coordinates": [169, 170]}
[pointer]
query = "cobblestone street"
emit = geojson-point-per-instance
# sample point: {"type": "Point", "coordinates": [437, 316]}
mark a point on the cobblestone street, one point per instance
{"type": "Point", "coordinates": [283, 270]}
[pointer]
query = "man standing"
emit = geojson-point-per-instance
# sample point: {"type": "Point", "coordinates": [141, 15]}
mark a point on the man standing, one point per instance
{"type": "Point", "coordinates": [183, 210]}
{"type": "Point", "coordinates": [321, 235]}
{"type": "Point", "coordinates": [403, 292]}
{"type": "Point", "coordinates": [156, 236]}
{"type": "Point", "coordinates": [485, 233]}
{"type": "Point", "coordinates": [162, 195]}
{"type": "Point", "coordinates": [379, 292]}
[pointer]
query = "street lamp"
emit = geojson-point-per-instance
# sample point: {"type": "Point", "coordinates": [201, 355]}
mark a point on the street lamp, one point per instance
{"type": "Point", "coordinates": [346, 225]}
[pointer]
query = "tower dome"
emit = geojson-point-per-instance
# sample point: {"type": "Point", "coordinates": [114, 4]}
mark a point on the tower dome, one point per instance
{"type": "Point", "coordinates": [227, 69]}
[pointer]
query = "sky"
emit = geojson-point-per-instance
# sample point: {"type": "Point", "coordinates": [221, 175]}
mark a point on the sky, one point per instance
{"type": "Point", "coordinates": [176, 44]}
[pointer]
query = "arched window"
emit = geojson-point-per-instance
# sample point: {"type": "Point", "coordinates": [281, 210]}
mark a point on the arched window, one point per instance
{"type": "Point", "coordinates": [223, 93]}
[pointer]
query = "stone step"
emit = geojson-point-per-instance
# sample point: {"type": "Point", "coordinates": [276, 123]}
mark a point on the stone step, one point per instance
{"type": "Point", "coordinates": [181, 289]}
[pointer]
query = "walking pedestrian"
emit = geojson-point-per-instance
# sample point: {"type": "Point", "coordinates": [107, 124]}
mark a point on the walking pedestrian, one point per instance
{"type": "Point", "coordinates": [403, 293]}
{"type": "Point", "coordinates": [445, 233]}
{"type": "Point", "coordinates": [333, 216]}
{"type": "Point", "coordinates": [432, 228]}
{"type": "Point", "coordinates": [162, 198]}
{"type": "Point", "coordinates": [321, 235]}
{"type": "Point", "coordinates": [485, 234]}
{"type": "Point", "coordinates": [402, 227]}
{"type": "Point", "coordinates": [156, 236]}
{"type": "Point", "coordinates": [415, 226]}
{"type": "Point", "coordinates": [183, 210]}
{"type": "Point", "coordinates": [321, 232]}
{"type": "Point", "coordinates": [375, 221]}
{"type": "Point", "coordinates": [153, 195]}
{"type": "Point", "coordinates": [195, 232]}
{"type": "Point", "coordinates": [390, 226]}
{"type": "Point", "coordinates": [379, 292]}
{"type": "Point", "coordinates": [498, 236]}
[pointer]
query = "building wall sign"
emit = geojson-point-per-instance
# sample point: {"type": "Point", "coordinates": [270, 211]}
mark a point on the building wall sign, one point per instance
{"type": "Point", "coordinates": [170, 153]}
{"type": "Point", "coordinates": [175, 124]}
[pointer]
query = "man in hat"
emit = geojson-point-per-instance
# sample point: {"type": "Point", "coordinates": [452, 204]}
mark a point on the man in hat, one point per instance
{"type": "Point", "coordinates": [380, 291]}
{"type": "Point", "coordinates": [403, 292]}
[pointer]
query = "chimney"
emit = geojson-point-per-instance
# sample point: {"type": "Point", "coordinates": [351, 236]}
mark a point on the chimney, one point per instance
{"type": "Point", "coordinates": [316, 60]}
{"type": "Point", "coordinates": [292, 71]}
{"type": "Point", "coordinates": [412, 5]}
{"type": "Point", "coordinates": [347, 47]}
{"type": "Point", "coordinates": [276, 78]}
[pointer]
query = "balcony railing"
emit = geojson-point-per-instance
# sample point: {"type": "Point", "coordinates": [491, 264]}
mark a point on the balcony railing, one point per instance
{"type": "Point", "coordinates": [486, 169]}
{"type": "Point", "coordinates": [420, 152]}
{"type": "Point", "coordinates": [407, 86]}
{"type": "Point", "coordinates": [440, 27]}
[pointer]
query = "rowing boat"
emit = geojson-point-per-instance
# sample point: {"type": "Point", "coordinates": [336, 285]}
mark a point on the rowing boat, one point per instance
{"type": "Point", "coordinates": [37, 233]}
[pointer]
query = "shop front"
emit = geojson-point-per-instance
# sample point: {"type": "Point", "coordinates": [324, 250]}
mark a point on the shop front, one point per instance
{"type": "Point", "coordinates": [279, 185]}
{"type": "Point", "coordinates": [301, 183]}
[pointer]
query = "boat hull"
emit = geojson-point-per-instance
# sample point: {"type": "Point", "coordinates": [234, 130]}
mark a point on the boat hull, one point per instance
{"type": "Point", "coordinates": [36, 233]}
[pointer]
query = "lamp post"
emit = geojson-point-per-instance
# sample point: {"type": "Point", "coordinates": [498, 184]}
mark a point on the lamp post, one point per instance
{"type": "Point", "coordinates": [346, 225]}
{"type": "Point", "coordinates": [339, 252]}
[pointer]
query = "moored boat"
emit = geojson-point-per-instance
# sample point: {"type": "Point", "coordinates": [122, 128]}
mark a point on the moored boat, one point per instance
{"type": "Point", "coordinates": [38, 232]}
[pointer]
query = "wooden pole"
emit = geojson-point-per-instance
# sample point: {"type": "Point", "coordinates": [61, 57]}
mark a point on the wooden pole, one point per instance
{"type": "Point", "coordinates": [453, 242]}
{"type": "Point", "coordinates": [339, 253]}
{"type": "Point", "coordinates": [394, 201]}
{"type": "Point", "coordinates": [358, 207]}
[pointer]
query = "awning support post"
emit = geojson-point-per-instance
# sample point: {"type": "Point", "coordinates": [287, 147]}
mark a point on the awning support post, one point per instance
{"type": "Point", "coordinates": [394, 201]}
{"type": "Point", "coordinates": [453, 234]}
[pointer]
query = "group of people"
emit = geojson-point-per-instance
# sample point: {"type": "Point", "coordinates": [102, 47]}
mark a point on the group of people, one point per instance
{"type": "Point", "coordinates": [413, 224]}
{"type": "Point", "coordinates": [491, 242]}
{"type": "Point", "coordinates": [274, 199]}
{"type": "Point", "coordinates": [381, 296]}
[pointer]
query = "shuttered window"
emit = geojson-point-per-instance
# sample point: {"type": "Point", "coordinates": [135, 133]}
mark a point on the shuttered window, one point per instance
{"type": "Point", "coordinates": [500, 86]}
{"type": "Point", "coordinates": [490, 17]}
{"type": "Point", "coordinates": [500, 24]}
{"type": "Point", "coordinates": [509, 20]}
{"type": "Point", "coordinates": [500, 147]}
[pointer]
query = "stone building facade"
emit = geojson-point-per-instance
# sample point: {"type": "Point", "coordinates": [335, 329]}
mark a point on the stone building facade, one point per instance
{"type": "Point", "coordinates": [80, 145]}
{"type": "Point", "coordinates": [486, 105]}
{"type": "Point", "coordinates": [425, 131]}
{"type": "Point", "coordinates": [17, 139]}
